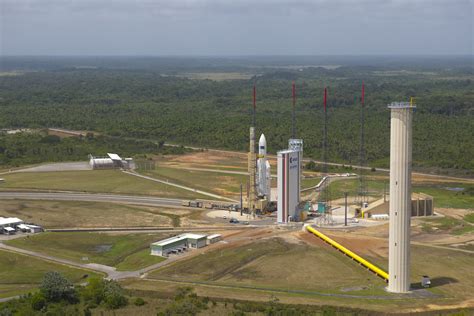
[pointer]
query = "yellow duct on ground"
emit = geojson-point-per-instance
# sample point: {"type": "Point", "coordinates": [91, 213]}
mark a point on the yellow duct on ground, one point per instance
{"type": "Point", "coordinates": [346, 251]}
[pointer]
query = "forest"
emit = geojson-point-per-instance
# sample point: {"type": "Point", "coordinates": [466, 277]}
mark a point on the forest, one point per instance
{"type": "Point", "coordinates": [37, 146]}
{"type": "Point", "coordinates": [164, 105]}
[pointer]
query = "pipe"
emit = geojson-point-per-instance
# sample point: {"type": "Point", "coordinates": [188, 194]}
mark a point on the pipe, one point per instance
{"type": "Point", "coordinates": [379, 272]}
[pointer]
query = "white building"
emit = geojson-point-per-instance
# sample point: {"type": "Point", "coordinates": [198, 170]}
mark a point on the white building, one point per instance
{"type": "Point", "coordinates": [9, 224]}
{"type": "Point", "coordinates": [212, 239]}
{"type": "Point", "coordinates": [112, 161]}
{"type": "Point", "coordinates": [288, 185]}
{"type": "Point", "coordinates": [178, 244]}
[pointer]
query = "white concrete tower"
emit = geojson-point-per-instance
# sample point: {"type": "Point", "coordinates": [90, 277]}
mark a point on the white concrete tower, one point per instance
{"type": "Point", "coordinates": [400, 196]}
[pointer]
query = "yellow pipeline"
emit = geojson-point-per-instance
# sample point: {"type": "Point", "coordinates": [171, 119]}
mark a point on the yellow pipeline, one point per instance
{"type": "Point", "coordinates": [354, 256]}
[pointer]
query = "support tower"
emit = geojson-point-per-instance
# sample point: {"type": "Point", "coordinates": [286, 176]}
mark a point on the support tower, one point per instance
{"type": "Point", "coordinates": [252, 163]}
{"type": "Point", "coordinates": [400, 196]}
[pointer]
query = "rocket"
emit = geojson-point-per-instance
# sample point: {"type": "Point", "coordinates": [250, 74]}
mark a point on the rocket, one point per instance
{"type": "Point", "coordinates": [263, 169]}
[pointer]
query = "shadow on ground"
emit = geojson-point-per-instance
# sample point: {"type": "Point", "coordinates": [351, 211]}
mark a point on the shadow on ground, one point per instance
{"type": "Point", "coordinates": [435, 282]}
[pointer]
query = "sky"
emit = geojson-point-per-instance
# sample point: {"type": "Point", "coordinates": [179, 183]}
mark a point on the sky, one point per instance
{"type": "Point", "coordinates": [236, 27]}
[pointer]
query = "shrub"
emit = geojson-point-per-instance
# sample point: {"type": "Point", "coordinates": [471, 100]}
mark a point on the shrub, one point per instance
{"type": "Point", "coordinates": [38, 301]}
{"type": "Point", "coordinates": [139, 301]}
{"type": "Point", "coordinates": [56, 287]}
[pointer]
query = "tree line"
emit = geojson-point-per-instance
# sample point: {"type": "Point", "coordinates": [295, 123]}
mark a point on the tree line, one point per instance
{"type": "Point", "coordinates": [146, 104]}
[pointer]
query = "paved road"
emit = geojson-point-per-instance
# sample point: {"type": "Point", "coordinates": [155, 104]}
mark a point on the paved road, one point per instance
{"type": "Point", "coordinates": [244, 173]}
{"type": "Point", "coordinates": [92, 197]}
{"type": "Point", "coordinates": [212, 195]}
{"type": "Point", "coordinates": [59, 166]}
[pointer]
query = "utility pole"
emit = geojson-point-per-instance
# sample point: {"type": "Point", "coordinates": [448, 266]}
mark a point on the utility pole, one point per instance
{"type": "Point", "coordinates": [241, 204]}
{"type": "Point", "coordinates": [345, 208]}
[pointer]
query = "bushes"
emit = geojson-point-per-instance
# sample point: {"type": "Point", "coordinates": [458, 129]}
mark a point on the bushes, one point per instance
{"type": "Point", "coordinates": [186, 302]}
{"type": "Point", "coordinates": [56, 287]}
{"type": "Point", "coordinates": [139, 301]}
{"type": "Point", "coordinates": [100, 291]}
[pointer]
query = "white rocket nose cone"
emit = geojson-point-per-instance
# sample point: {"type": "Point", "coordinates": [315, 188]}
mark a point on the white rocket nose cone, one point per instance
{"type": "Point", "coordinates": [262, 142]}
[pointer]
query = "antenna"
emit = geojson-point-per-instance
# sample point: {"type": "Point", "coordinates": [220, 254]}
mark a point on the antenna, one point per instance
{"type": "Point", "coordinates": [324, 196]}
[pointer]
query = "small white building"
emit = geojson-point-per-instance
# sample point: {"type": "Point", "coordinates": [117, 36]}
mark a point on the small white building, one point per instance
{"type": "Point", "coordinates": [10, 222]}
{"type": "Point", "coordinates": [112, 161]}
{"type": "Point", "coordinates": [211, 239]}
{"type": "Point", "coordinates": [30, 228]}
{"type": "Point", "coordinates": [9, 230]}
{"type": "Point", "coordinates": [177, 244]}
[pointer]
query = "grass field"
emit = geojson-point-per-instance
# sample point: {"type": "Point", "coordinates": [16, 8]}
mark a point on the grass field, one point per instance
{"type": "Point", "coordinates": [219, 183]}
{"type": "Point", "coordinates": [443, 197]}
{"type": "Point", "coordinates": [20, 274]}
{"type": "Point", "coordinates": [309, 182]}
{"type": "Point", "coordinates": [274, 264]}
{"type": "Point", "coordinates": [104, 181]}
{"type": "Point", "coordinates": [341, 185]}
{"type": "Point", "coordinates": [447, 225]}
{"type": "Point", "coordinates": [271, 264]}
{"type": "Point", "coordinates": [450, 271]}
{"type": "Point", "coordinates": [124, 251]}
{"type": "Point", "coordinates": [140, 259]}
{"type": "Point", "coordinates": [65, 214]}
{"type": "Point", "coordinates": [447, 198]}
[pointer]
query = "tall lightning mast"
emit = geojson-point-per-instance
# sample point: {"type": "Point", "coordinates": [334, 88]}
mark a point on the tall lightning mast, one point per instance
{"type": "Point", "coordinates": [362, 191]}
{"type": "Point", "coordinates": [252, 161]}
{"type": "Point", "coordinates": [325, 194]}
{"type": "Point", "coordinates": [293, 116]}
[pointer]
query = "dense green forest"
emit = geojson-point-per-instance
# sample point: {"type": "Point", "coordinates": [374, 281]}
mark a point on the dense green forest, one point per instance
{"type": "Point", "coordinates": [152, 103]}
{"type": "Point", "coordinates": [36, 146]}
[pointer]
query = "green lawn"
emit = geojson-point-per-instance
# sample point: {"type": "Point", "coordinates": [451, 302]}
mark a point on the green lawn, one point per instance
{"type": "Point", "coordinates": [271, 264]}
{"type": "Point", "coordinates": [138, 260]}
{"type": "Point", "coordinates": [104, 181]}
{"type": "Point", "coordinates": [449, 199]}
{"type": "Point", "coordinates": [442, 196]}
{"type": "Point", "coordinates": [310, 182]}
{"type": "Point", "coordinates": [447, 225]}
{"type": "Point", "coordinates": [66, 214]}
{"type": "Point", "coordinates": [20, 274]}
{"type": "Point", "coordinates": [215, 182]}
{"type": "Point", "coordinates": [341, 185]}
{"type": "Point", "coordinates": [127, 251]}
{"type": "Point", "coordinates": [450, 271]}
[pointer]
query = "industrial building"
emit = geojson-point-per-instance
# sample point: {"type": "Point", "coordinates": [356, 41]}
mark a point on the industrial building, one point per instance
{"type": "Point", "coordinates": [8, 225]}
{"type": "Point", "coordinates": [421, 205]}
{"type": "Point", "coordinates": [400, 196]}
{"type": "Point", "coordinates": [288, 172]}
{"type": "Point", "coordinates": [178, 244]}
{"type": "Point", "coordinates": [112, 161]}
{"type": "Point", "coordinates": [212, 239]}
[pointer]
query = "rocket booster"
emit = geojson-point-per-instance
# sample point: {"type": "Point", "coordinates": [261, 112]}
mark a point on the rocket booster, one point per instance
{"type": "Point", "coordinates": [263, 167]}
{"type": "Point", "coordinates": [262, 147]}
